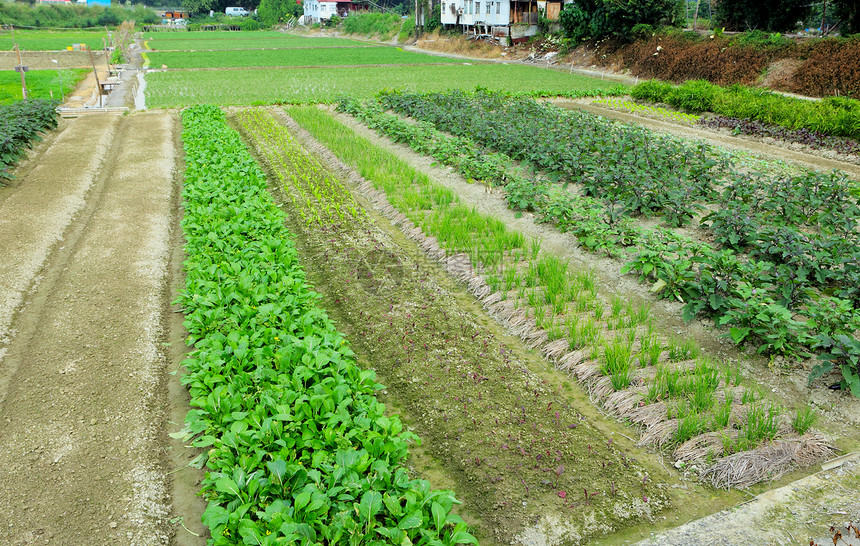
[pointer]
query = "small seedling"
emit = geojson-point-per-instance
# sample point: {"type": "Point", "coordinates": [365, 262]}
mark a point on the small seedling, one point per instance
{"type": "Point", "coordinates": [723, 412]}
{"type": "Point", "coordinates": [598, 309]}
{"type": "Point", "coordinates": [616, 304]}
{"type": "Point", "coordinates": [682, 349]}
{"type": "Point", "coordinates": [804, 419]}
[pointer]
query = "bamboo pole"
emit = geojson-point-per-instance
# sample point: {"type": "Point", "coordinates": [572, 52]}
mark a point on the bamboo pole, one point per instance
{"type": "Point", "coordinates": [21, 69]}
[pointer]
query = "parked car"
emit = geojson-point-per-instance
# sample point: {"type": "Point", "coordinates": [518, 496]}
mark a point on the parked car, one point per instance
{"type": "Point", "coordinates": [236, 12]}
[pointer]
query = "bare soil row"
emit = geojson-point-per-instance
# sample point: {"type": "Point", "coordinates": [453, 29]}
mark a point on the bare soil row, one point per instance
{"type": "Point", "coordinates": [88, 246]}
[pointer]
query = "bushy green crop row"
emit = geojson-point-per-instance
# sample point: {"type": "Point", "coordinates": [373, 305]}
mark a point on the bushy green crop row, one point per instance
{"type": "Point", "coordinates": [794, 290]}
{"type": "Point", "coordinates": [299, 449]}
{"type": "Point", "coordinates": [835, 116]}
{"type": "Point", "coordinates": [20, 124]}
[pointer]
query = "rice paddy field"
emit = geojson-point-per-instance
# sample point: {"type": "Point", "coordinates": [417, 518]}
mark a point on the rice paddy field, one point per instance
{"type": "Point", "coordinates": [344, 56]}
{"type": "Point", "coordinates": [51, 40]}
{"type": "Point", "coordinates": [423, 305]}
{"type": "Point", "coordinates": [232, 40]}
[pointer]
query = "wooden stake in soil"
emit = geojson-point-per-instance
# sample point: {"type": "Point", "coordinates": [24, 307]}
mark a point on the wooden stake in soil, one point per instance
{"type": "Point", "coordinates": [96, 74]}
{"type": "Point", "coordinates": [21, 68]}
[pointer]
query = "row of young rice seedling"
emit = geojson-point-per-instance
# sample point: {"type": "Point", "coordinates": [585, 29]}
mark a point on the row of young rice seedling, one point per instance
{"type": "Point", "coordinates": [610, 344]}
{"type": "Point", "coordinates": [298, 449]}
{"type": "Point", "coordinates": [647, 110]}
{"type": "Point", "coordinates": [512, 441]}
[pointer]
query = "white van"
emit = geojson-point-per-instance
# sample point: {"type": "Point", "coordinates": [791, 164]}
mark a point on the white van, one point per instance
{"type": "Point", "coordinates": [236, 12]}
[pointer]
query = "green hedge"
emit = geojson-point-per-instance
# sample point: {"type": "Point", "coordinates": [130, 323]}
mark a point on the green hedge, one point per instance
{"type": "Point", "coordinates": [382, 24]}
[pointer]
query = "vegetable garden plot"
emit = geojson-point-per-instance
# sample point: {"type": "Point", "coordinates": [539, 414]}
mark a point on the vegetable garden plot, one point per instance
{"type": "Point", "coordinates": [299, 449]}
{"type": "Point", "coordinates": [516, 447]}
{"type": "Point", "coordinates": [680, 399]}
{"type": "Point", "coordinates": [40, 84]}
{"type": "Point", "coordinates": [51, 40]}
{"type": "Point", "coordinates": [784, 271]}
{"type": "Point", "coordinates": [315, 85]}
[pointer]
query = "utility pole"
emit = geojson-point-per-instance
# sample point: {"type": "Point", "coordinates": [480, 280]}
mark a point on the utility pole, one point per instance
{"type": "Point", "coordinates": [21, 68]}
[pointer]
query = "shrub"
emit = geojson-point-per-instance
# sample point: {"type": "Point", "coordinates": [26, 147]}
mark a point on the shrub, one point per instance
{"type": "Point", "coordinates": [831, 68]}
{"type": "Point", "coordinates": [652, 91]}
{"type": "Point", "coordinates": [20, 124]}
{"type": "Point", "coordinates": [694, 96]}
{"type": "Point", "coordinates": [382, 24]}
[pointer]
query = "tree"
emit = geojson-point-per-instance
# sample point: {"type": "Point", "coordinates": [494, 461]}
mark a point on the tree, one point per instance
{"type": "Point", "coordinates": [273, 12]}
{"type": "Point", "coordinates": [848, 12]}
{"type": "Point", "coordinates": [592, 19]}
{"type": "Point", "coordinates": [769, 15]}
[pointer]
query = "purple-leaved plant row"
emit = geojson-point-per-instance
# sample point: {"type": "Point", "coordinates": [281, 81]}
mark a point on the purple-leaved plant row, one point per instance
{"type": "Point", "coordinates": [813, 139]}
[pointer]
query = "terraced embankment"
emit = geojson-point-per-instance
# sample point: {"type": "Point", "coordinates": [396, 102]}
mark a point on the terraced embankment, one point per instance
{"type": "Point", "coordinates": [85, 248]}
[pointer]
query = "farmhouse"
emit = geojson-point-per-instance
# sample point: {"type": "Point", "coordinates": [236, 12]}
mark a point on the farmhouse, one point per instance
{"type": "Point", "coordinates": [317, 11]}
{"type": "Point", "coordinates": [509, 21]}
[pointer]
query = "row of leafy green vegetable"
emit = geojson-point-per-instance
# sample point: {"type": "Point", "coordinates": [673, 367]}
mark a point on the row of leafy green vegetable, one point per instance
{"type": "Point", "coordinates": [835, 116]}
{"type": "Point", "coordinates": [299, 450]}
{"type": "Point", "coordinates": [758, 298]}
{"type": "Point", "coordinates": [20, 125]}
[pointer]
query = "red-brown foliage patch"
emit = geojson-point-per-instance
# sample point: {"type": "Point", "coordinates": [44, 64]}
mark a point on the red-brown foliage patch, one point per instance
{"type": "Point", "coordinates": [832, 67]}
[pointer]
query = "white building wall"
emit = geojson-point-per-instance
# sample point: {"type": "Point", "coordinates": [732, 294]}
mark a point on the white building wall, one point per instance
{"type": "Point", "coordinates": [482, 12]}
{"type": "Point", "coordinates": [316, 11]}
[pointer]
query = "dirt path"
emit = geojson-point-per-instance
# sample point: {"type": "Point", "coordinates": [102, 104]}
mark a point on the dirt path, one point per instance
{"type": "Point", "coordinates": [34, 215]}
{"type": "Point", "coordinates": [81, 422]}
{"type": "Point", "coordinates": [794, 514]}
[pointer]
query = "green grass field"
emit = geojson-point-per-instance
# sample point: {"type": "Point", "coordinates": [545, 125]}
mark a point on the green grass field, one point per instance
{"type": "Point", "coordinates": [293, 57]}
{"type": "Point", "coordinates": [40, 83]}
{"type": "Point", "coordinates": [313, 85]}
{"type": "Point", "coordinates": [50, 40]}
{"type": "Point", "coordinates": [215, 35]}
{"type": "Point", "coordinates": [251, 40]}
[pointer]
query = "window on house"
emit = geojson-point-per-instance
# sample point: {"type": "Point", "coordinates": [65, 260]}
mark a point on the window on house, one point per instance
{"type": "Point", "coordinates": [477, 8]}
{"type": "Point", "coordinates": [443, 7]}
{"type": "Point", "coordinates": [498, 7]}
{"type": "Point", "coordinates": [488, 8]}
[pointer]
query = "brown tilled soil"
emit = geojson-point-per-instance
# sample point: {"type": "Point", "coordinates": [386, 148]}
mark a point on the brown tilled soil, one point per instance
{"type": "Point", "coordinates": [42, 60]}
{"type": "Point", "coordinates": [89, 269]}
